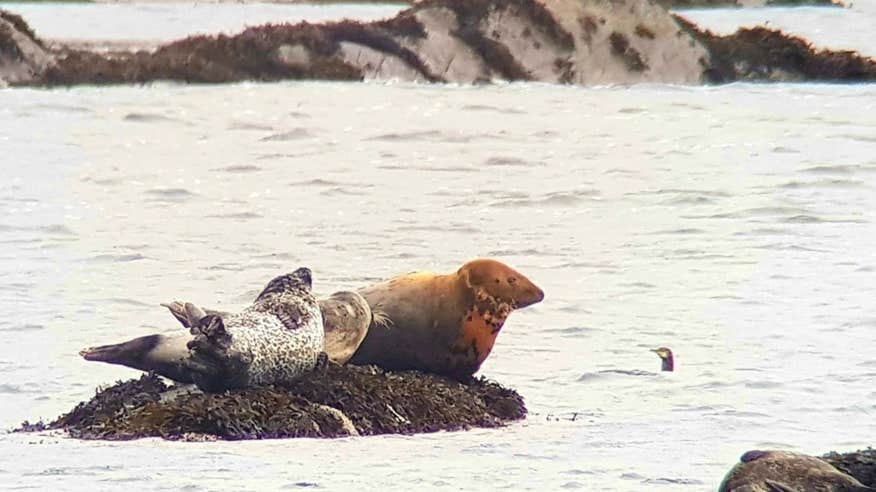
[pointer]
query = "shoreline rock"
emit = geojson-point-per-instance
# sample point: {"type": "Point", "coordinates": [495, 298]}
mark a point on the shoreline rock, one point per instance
{"type": "Point", "coordinates": [860, 464]}
{"type": "Point", "coordinates": [337, 402]}
{"type": "Point", "coordinates": [584, 42]}
{"type": "Point", "coordinates": [763, 470]}
{"type": "Point", "coordinates": [699, 4]}
{"type": "Point", "coordinates": [761, 54]}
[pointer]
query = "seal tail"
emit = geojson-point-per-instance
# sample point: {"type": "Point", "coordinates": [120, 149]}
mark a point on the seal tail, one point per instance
{"type": "Point", "coordinates": [162, 354]}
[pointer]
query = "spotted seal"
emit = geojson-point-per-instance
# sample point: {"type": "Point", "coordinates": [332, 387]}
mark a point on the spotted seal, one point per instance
{"type": "Point", "coordinates": [277, 338]}
{"type": "Point", "coordinates": [442, 323]}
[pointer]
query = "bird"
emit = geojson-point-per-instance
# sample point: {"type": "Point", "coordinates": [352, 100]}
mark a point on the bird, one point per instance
{"type": "Point", "coordinates": [665, 355]}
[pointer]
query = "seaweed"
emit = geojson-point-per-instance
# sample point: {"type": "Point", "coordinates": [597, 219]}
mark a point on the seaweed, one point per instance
{"type": "Point", "coordinates": [763, 54]}
{"type": "Point", "coordinates": [334, 402]}
{"type": "Point", "coordinates": [620, 47]}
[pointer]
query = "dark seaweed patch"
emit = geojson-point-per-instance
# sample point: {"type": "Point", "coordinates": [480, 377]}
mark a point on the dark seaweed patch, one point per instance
{"type": "Point", "coordinates": [621, 48]}
{"type": "Point", "coordinates": [763, 54]}
{"type": "Point", "coordinates": [374, 401]}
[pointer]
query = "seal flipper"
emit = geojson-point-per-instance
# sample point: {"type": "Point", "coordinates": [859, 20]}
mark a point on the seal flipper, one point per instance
{"type": "Point", "coordinates": [163, 354]}
{"type": "Point", "coordinates": [215, 366]}
{"type": "Point", "coordinates": [188, 314]}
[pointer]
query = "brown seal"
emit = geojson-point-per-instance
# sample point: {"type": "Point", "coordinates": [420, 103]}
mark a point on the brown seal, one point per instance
{"type": "Point", "coordinates": [444, 324]}
{"type": "Point", "coordinates": [786, 471]}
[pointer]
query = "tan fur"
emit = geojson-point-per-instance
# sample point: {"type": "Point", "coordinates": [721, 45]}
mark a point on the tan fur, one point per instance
{"type": "Point", "coordinates": [443, 323]}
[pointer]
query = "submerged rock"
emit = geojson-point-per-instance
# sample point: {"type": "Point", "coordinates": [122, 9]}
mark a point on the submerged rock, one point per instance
{"type": "Point", "coordinates": [339, 401]}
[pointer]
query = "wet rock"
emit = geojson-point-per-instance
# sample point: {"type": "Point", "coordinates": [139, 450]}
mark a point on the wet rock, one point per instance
{"type": "Point", "coordinates": [334, 402]}
{"type": "Point", "coordinates": [675, 4]}
{"type": "Point", "coordinates": [860, 464]}
{"type": "Point", "coordinates": [777, 470]}
{"type": "Point", "coordinates": [22, 55]}
{"type": "Point", "coordinates": [763, 54]}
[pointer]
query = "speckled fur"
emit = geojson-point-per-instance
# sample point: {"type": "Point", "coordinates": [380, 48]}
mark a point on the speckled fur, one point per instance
{"type": "Point", "coordinates": [276, 339]}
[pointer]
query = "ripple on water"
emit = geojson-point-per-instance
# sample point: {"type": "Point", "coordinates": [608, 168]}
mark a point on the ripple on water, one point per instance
{"type": "Point", "coordinates": [152, 118]}
{"type": "Point", "coordinates": [837, 169]}
{"type": "Point", "coordinates": [823, 183]}
{"type": "Point", "coordinates": [24, 327]}
{"type": "Point", "coordinates": [495, 109]}
{"type": "Point", "coordinates": [245, 125]}
{"type": "Point", "coordinates": [116, 258]}
{"type": "Point", "coordinates": [555, 199]}
{"type": "Point", "coordinates": [614, 373]}
{"type": "Point", "coordinates": [433, 136]}
{"type": "Point", "coordinates": [294, 134]}
{"type": "Point", "coordinates": [237, 216]}
{"type": "Point", "coordinates": [238, 168]}
{"type": "Point", "coordinates": [511, 162]}
{"type": "Point", "coordinates": [176, 195]}
{"type": "Point", "coordinates": [61, 108]}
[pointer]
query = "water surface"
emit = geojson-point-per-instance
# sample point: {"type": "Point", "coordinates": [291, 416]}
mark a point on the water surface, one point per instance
{"type": "Point", "coordinates": [733, 224]}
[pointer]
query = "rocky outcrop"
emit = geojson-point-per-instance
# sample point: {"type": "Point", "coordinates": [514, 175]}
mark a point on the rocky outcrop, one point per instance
{"type": "Point", "coordinates": [335, 402]}
{"type": "Point", "coordinates": [860, 464]}
{"type": "Point", "coordinates": [765, 55]}
{"type": "Point", "coordinates": [582, 42]}
{"type": "Point", "coordinates": [23, 57]}
{"type": "Point", "coordinates": [777, 470]}
{"type": "Point", "coordinates": [682, 4]}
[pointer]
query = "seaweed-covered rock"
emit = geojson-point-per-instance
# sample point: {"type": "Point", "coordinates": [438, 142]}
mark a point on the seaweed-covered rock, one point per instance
{"type": "Point", "coordinates": [860, 464]}
{"type": "Point", "coordinates": [583, 42]}
{"type": "Point", "coordinates": [763, 54]}
{"type": "Point", "coordinates": [22, 55]}
{"type": "Point", "coordinates": [337, 401]}
{"type": "Point", "coordinates": [675, 4]}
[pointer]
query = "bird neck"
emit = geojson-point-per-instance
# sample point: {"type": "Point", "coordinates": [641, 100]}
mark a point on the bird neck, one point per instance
{"type": "Point", "coordinates": [668, 364]}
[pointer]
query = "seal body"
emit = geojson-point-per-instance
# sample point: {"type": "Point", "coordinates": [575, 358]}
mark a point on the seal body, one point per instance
{"type": "Point", "coordinates": [442, 323]}
{"type": "Point", "coordinates": [785, 471]}
{"type": "Point", "coordinates": [276, 339]}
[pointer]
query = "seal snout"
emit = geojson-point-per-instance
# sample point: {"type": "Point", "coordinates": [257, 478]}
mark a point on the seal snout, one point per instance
{"type": "Point", "coordinates": [529, 296]}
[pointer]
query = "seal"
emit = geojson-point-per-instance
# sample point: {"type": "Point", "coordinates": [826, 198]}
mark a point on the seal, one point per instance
{"type": "Point", "coordinates": [278, 338]}
{"type": "Point", "coordinates": [346, 318]}
{"type": "Point", "coordinates": [785, 471]}
{"type": "Point", "coordinates": [442, 323]}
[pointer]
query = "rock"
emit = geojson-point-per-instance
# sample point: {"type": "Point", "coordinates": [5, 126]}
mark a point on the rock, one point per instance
{"type": "Point", "coordinates": [860, 464]}
{"type": "Point", "coordinates": [777, 471]}
{"type": "Point", "coordinates": [583, 42]}
{"type": "Point", "coordinates": [23, 57]}
{"type": "Point", "coordinates": [763, 54]}
{"type": "Point", "coordinates": [335, 402]}
{"type": "Point", "coordinates": [676, 4]}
